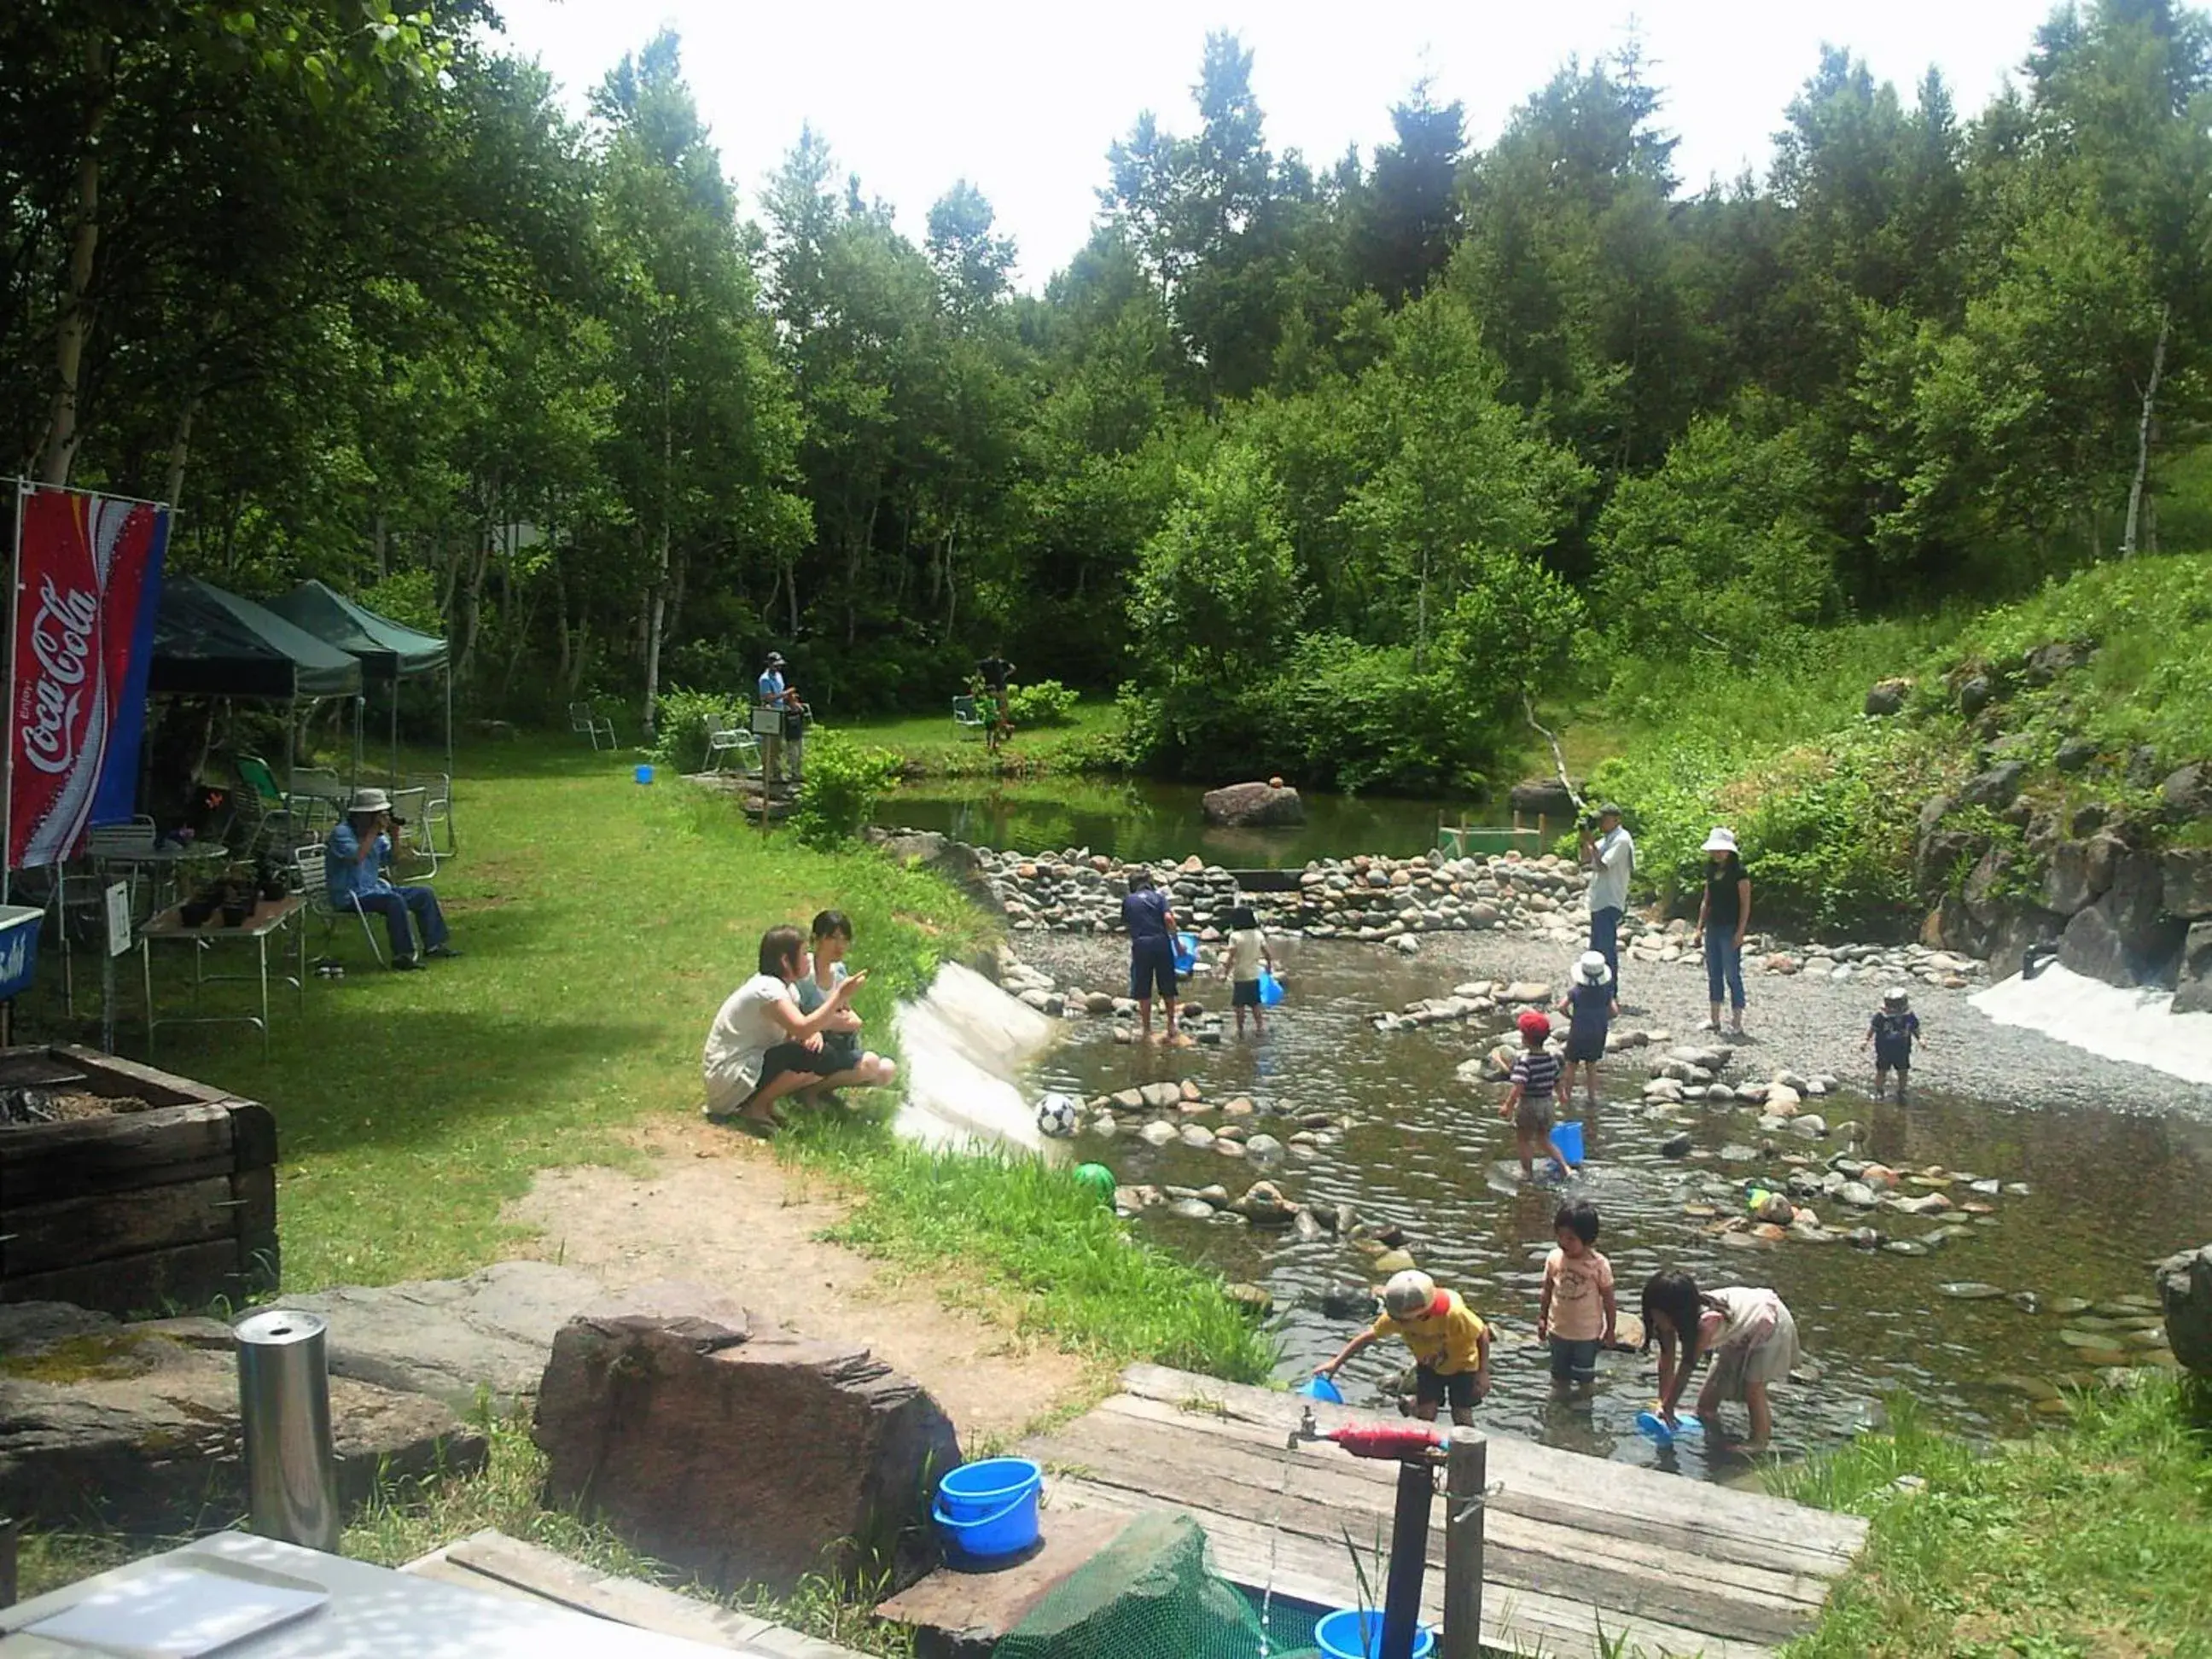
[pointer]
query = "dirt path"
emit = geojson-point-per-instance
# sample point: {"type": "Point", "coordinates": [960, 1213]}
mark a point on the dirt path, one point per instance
{"type": "Point", "coordinates": [719, 1209]}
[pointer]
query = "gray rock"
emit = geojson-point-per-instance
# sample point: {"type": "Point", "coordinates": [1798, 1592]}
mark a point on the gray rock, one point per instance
{"type": "Point", "coordinates": [1264, 1147]}
{"type": "Point", "coordinates": [1253, 806]}
{"type": "Point", "coordinates": [450, 1337]}
{"type": "Point", "coordinates": [135, 1427]}
{"type": "Point", "coordinates": [2192, 989]}
{"type": "Point", "coordinates": [2076, 755]}
{"type": "Point", "coordinates": [1970, 1291]}
{"type": "Point", "coordinates": [1191, 1209]}
{"type": "Point", "coordinates": [1887, 697]}
{"type": "Point", "coordinates": [740, 1455]}
{"type": "Point", "coordinates": [2043, 664]}
{"type": "Point", "coordinates": [2187, 791]}
{"type": "Point", "coordinates": [2186, 881]}
{"type": "Point", "coordinates": [1975, 693]}
{"type": "Point", "coordinates": [1157, 1133]}
{"type": "Point", "coordinates": [1858, 1194]}
{"type": "Point", "coordinates": [1905, 1247]}
{"type": "Point", "coordinates": [2069, 882]}
{"type": "Point", "coordinates": [1675, 1147]}
{"type": "Point", "coordinates": [2185, 1295]}
{"type": "Point", "coordinates": [1995, 788]}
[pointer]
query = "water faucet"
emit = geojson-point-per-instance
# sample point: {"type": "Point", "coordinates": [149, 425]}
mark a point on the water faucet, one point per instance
{"type": "Point", "coordinates": [1306, 1430]}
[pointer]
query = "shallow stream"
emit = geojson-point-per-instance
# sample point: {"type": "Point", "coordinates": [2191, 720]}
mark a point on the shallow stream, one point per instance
{"type": "Point", "coordinates": [2108, 1192]}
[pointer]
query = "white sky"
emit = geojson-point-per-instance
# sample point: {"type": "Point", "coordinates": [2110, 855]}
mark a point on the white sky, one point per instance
{"type": "Point", "coordinates": [1024, 99]}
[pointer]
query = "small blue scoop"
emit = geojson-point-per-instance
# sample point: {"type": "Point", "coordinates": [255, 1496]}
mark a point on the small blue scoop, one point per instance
{"type": "Point", "coordinates": [1654, 1428]}
{"type": "Point", "coordinates": [1318, 1387]}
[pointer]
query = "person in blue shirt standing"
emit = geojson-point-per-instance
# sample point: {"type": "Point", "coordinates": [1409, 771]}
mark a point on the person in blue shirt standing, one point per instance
{"type": "Point", "coordinates": [355, 860]}
{"type": "Point", "coordinates": [1150, 918]}
{"type": "Point", "coordinates": [770, 691]}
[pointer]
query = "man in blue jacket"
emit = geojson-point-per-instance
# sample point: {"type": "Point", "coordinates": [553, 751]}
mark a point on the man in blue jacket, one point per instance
{"type": "Point", "coordinates": [355, 858]}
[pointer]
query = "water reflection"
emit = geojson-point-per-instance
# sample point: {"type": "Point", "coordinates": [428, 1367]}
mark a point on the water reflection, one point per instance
{"type": "Point", "coordinates": [2108, 1192]}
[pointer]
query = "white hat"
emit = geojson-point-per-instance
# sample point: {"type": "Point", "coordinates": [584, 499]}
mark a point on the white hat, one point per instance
{"type": "Point", "coordinates": [1409, 1294]}
{"type": "Point", "coordinates": [1591, 969]}
{"type": "Point", "coordinates": [1894, 997]}
{"type": "Point", "coordinates": [1721, 840]}
{"type": "Point", "coordinates": [370, 800]}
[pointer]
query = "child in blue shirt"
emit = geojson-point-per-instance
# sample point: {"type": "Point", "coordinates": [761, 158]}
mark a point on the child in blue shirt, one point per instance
{"type": "Point", "coordinates": [1893, 1033]}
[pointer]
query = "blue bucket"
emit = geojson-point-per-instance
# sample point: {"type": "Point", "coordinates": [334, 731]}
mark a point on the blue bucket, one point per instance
{"type": "Point", "coordinates": [1318, 1387]}
{"type": "Point", "coordinates": [644, 775]}
{"type": "Point", "coordinates": [1653, 1427]}
{"type": "Point", "coordinates": [1186, 952]}
{"type": "Point", "coordinates": [989, 1509]}
{"type": "Point", "coordinates": [1351, 1633]}
{"type": "Point", "coordinates": [1568, 1138]}
{"type": "Point", "coordinates": [1271, 989]}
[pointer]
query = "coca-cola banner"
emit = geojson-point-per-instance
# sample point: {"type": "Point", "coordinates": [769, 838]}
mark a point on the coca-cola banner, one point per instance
{"type": "Point", "coordinates": [88, 582]}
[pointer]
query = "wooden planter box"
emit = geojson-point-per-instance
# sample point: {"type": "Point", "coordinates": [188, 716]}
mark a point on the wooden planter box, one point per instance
{"type": "Point", "coordinates": [141, 1211]}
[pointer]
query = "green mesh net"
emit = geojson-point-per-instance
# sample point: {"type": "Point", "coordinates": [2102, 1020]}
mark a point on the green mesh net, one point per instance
{"type": "Point", "coordinates": [1149, 1594]}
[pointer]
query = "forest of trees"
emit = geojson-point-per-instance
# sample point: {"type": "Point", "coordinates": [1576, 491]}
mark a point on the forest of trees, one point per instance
{"type": "Point", "coordinates": [1323, 462]}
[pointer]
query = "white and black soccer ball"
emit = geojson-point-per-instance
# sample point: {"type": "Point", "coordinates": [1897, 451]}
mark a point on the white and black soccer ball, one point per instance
{"type": "Point", "coordinates": [1058, 1114]}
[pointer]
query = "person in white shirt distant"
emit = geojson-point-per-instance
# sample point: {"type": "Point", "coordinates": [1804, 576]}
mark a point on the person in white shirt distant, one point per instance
{"type": "Point", "coordinates": [1247, 956]}
{"type": "Point", "coordinates": [1611, 855]}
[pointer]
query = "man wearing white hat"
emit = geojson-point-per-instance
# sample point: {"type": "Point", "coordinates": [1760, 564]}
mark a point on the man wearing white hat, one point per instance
{"type": "Point", "coordinates": [1611, 855]}
{"type": "Point", "coordinates": [354, 864]}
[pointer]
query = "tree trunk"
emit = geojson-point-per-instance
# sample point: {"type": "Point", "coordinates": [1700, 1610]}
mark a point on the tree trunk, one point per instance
{"type": "Point", "coordinates": [1421, 618]}
{"type": "Point", "coordinates": [657, 607]}
{"type": "Point", "coordinates": [561, 617]}
{"type": "Point", "coordinates": [76, 312]}
{"type": "Point", "coordinates": [2142, 434]}
{"type": "Point", "coordinates": [180, 449]}
{"type": "Point", "coordinates": [383, 548]}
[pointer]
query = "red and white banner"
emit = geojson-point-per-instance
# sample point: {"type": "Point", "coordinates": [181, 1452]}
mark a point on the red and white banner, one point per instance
{"type": "Point", "coordinates": [88, 582]}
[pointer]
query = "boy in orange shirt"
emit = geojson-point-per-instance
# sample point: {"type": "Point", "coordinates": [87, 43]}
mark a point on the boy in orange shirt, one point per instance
{"type": "Point", "coordinates": [1451, 1346]}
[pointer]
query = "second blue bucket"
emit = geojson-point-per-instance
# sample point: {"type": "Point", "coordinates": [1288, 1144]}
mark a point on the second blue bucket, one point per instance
{"type": "Point", "coordinates": [1568, 1138]}
{"type": "Point", "coordinates": [1351, 1633]}
{"type": "Point", "coordinates": [1186, 952]}
{"type": "Point", "coordinates": [989, 1509]}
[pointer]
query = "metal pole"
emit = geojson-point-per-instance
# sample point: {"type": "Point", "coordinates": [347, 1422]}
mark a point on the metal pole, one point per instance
{"type": "Point", "coordinates": [284, 1406]}
{"type": "Point", "coordinates": [8, 749]}
{"type": "Point", "coordinates": [1467, 1473]}
{"type": "Point", "coordinates": [1409, 1559]}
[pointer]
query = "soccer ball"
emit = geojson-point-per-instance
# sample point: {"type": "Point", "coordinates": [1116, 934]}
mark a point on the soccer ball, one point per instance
{"type": "Point", "coordinates": [1057, 1115]}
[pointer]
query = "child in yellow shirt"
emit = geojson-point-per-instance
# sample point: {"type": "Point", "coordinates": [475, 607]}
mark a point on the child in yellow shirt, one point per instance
{"type": "Point", "coordinates": [1451, 1346]}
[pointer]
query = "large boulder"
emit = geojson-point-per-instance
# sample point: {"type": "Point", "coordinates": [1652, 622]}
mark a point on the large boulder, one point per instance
{"type": "Point", "coordinates": [2042, 664]}
{"type": "Point", "coordinates": [1985, 893]}
{"type": "Point", "coordinates": [2091, 945]}
{"type": "Point", "coordinates": [955, 860]}
{"type": "Point", "coordinates": [2187, 791]}
{"type": "Point", "coordinates": [2192, 985]}
{"type": "Point", "coordinates": [1253, 806]}
{"type": "Point", "coordinates": [135, 1426]}
{"type": "Point", "coordinates": [2126, 938]}
{"type": "Point", "coordinates": [738, 1455]}
{"type": "Point", "coordinates": [2077, 872]}
{"type": "Point", "coordinates": [2184, 1292]}
{"type": "Point", "coordinates": [2019, 930]}
{"type": "Point", "coordinates": [2186, 881]}
{"type": "Point", "coordinates": [1546, 797]}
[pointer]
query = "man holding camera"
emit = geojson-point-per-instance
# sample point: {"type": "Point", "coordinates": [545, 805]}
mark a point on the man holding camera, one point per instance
{"type": "Point", "coordinates": [354, 864]}
{"type": "Point", "coordinates": [1611, 854]}
{"type": "Point", "coordinates": [773, 691]}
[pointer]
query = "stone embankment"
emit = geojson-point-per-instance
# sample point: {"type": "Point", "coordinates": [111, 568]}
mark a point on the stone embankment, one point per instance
{"type": "Point", "coordinates": [1394, 902]}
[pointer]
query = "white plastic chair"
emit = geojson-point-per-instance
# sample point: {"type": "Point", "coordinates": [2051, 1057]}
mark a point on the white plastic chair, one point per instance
{"type": "Point", "coordinates": [414, 839]}
{"type": "Point", "coordinates": [967, 716]}
{"type": "Point", "coordinates": [587, 720]}
{"type": "Point", "coordinates": [437, 789]}
{"type": "Point", "coordinates": [311, 866]}
{"type": "Point", "coordinates": [726, 736]}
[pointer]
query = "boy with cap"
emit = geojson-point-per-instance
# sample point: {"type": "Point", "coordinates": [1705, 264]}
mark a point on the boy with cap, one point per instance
{"type": "Point", "coordinates": [1892, 1032]}
{"type": "Point", "coordinates": [1529, 1102]}
{"type": "Point", "coordinates": [1451, 1346]}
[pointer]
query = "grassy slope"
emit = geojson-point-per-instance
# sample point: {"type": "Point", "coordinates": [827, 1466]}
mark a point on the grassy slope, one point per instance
{"type": "Point", "coordinates": [1828, 800]}
{"type": "Point", "coordinates": [2095, 1539]}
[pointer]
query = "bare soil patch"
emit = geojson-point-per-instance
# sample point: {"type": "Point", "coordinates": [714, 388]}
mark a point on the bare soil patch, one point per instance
{"type": "Point", "coordinates": [717, 1209]}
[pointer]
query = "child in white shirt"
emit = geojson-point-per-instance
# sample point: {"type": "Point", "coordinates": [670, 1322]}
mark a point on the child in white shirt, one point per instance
{"type": "Point", "coordinates": [1248, 953]}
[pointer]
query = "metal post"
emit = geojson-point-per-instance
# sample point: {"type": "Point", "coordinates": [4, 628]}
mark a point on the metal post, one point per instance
{"type": "Point", "coordinates": [284, 1405]}
{"type": "Point", "coordinates": [1467, 1473]}
{"type": "Point", "coordinates": [8, 1584]}
{"type": "Point", "coordinates": [1409, 1559]}
{"type": "Point", "coordinates": [7, 748]}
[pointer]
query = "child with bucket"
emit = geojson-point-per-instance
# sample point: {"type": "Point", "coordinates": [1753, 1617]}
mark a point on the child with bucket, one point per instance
{"type": "Point", "coordinates": [1248, 960]}
{"type": "Point", "coordinates": [1529, 1102]}
{"type": "Point", "coordinates": [1451, 1346]}
{"type": "Point", "coordinates": [1748, 1331]}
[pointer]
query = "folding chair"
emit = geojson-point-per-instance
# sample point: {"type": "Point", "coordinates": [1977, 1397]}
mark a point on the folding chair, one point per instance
{"type": "Point", "coordinates": [317, 794]}
{"type": "Point", "coordinates": [967, 716]}
{"type": "Point", "coordinates": [414, 839]}
{"type": "Point", "coordinates": [727, 735]}
{"type": "Point", "coordinates": [311, 868]}
{"type": "Point", "coordinates": [437, 789]}
{"type": "Point", "coordinates": [586, 720]}
{"type": "Point", "coordinates": [275, 823]}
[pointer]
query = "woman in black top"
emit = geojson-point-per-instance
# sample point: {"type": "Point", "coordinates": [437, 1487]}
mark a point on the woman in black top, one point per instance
{"type": "Point", "coordinates": [1723, 918]}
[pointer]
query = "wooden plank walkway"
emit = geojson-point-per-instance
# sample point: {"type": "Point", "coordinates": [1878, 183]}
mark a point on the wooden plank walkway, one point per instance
{"type": "Point", "coordinates": [1574, 1545]}
{"type": "Point", "coordinates": [497, 1564]}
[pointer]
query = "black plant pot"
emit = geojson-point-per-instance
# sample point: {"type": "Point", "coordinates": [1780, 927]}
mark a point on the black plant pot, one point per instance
{"type": "Point", "coordinates": [234, 914]}
{"type": "Point", "coordinates": [194, 913]}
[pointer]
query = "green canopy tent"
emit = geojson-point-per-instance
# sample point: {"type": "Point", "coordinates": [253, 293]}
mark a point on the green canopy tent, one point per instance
{"type": "Point", "coordinates": [211, 643]}
{"type": "Point", "coordinates": [388, 652]}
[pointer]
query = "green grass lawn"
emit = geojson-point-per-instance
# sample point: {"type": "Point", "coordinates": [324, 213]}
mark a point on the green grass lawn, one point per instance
{"type": "Point", "coordinates": [2092, 1540]}
{"type": "Point", "coordinates": [930, 745]}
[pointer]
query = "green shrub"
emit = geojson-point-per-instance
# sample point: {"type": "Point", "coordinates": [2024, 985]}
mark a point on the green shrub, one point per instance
{"type": "Point", "coordinates": [1040, 702]}
{"type": "Point", "coordinates": [679, 737]}
{"type": "Point", "coordinates": [844, 780]}
{"type": "Point", "coordinates": [1358, 717]}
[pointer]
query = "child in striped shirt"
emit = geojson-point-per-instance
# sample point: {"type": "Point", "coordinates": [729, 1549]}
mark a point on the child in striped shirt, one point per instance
{"type": "Point", "coordinates": [1529, 1102]}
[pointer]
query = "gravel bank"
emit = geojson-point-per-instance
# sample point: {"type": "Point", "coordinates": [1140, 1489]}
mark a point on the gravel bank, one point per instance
{"type": "Point", "coordinates": [1811, 1024]}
